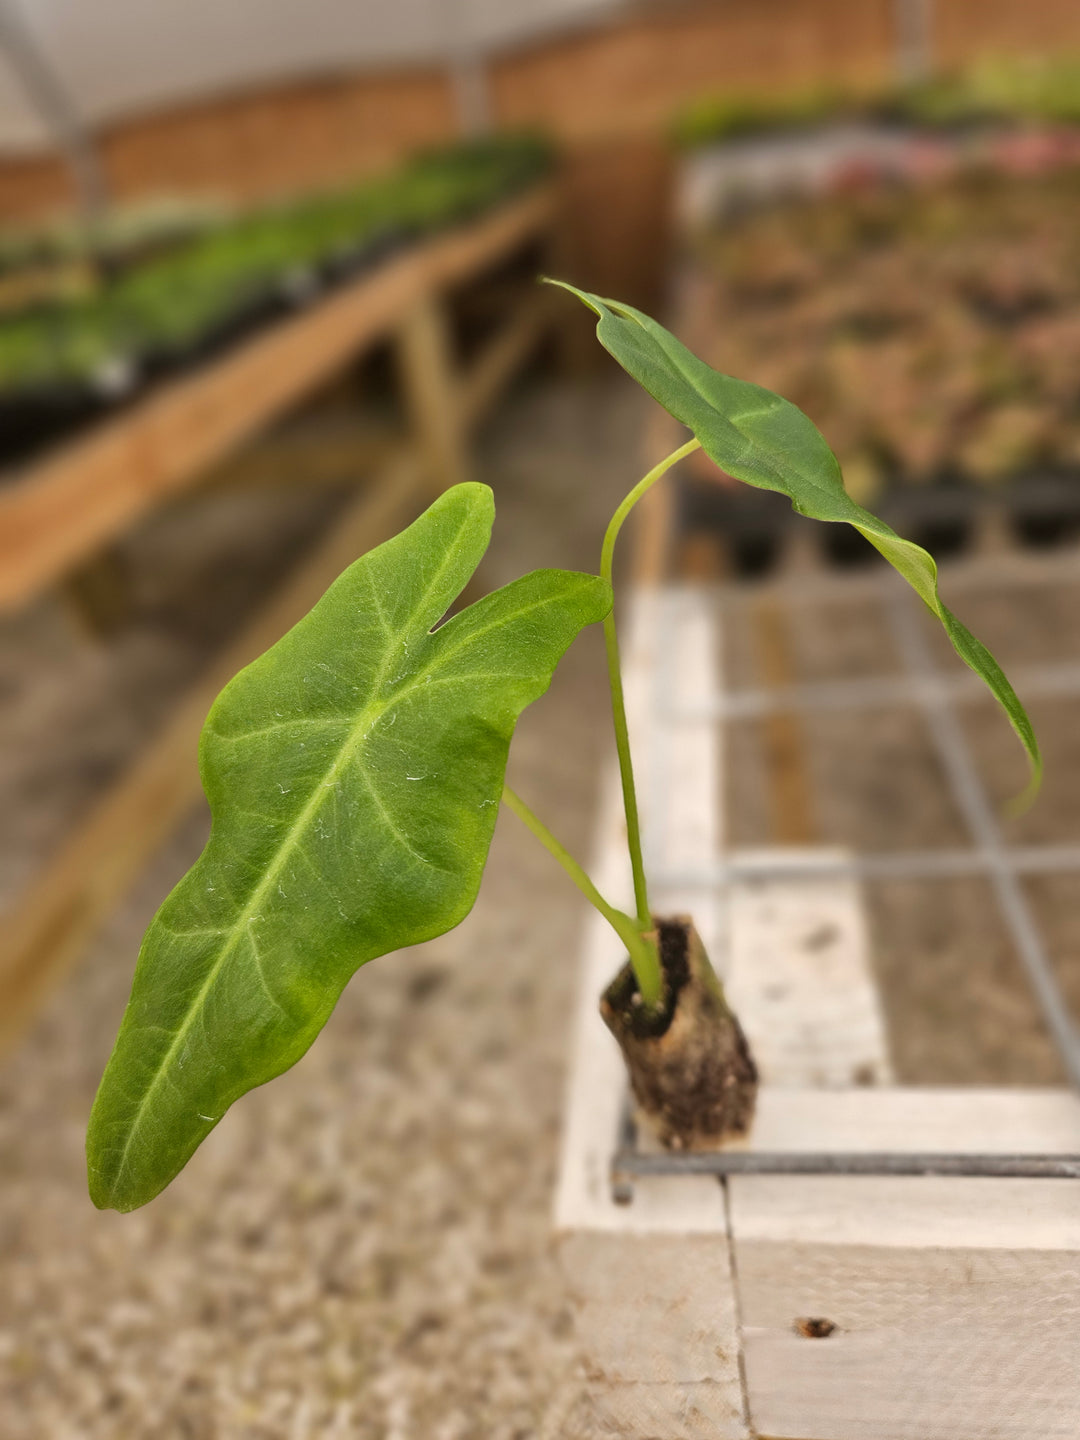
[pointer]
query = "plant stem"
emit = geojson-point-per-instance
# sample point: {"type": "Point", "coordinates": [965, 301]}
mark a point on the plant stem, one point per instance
{"type": "Point", "coordinates": [618, 704]}
{"type": "Point", "coordinates": [642, 952]}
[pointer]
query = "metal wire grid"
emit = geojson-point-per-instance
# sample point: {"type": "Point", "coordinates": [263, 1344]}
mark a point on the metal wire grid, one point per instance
{"type": "Point", "coordinates": [935, 694]}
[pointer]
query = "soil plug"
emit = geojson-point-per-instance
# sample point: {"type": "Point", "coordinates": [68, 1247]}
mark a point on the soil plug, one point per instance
{"type": "Point", "coordinates": [690, 1067]}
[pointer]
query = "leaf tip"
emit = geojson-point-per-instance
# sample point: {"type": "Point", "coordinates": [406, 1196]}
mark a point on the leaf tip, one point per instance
{"type": "Point", "coordinates": [592, 301]}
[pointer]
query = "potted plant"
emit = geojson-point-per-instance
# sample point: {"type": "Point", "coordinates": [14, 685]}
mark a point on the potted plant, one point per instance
{"type": "Point", "coordinates": [354, 773]}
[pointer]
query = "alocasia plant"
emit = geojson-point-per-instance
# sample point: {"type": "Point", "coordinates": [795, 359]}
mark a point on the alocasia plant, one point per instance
{"type": "Point", "coordinates": [354, 773]}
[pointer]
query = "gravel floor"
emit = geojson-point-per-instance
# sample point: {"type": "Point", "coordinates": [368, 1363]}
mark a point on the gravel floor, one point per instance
{"type": "Point", "coordinates": [364, 1248]}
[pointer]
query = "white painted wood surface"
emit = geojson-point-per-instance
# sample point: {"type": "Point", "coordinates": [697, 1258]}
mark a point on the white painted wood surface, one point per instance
{"type": "Point", "coordinates": [956, 1305]}
{"type": "Point", "coordinates": [800, 979]}
{"type": "Point", "coordinates": [956, 1302]}
{"type": "Point", "coordinates": [915, 1119]}
{"type": "Point", "coordinates": [651, 1282]}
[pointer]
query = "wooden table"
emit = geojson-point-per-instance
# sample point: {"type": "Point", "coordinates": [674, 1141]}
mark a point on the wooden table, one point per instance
{"type": "Point", "coordinates": [69, 505]}
{"type": "Point", "coordinates": [75, 502]}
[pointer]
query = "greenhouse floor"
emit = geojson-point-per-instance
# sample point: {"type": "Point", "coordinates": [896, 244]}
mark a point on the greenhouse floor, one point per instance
{"type": "Point", "coordinates": [365, 1249]}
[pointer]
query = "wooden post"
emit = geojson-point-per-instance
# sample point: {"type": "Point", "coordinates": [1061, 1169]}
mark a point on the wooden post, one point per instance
{"type": "Point", "coordinates": [98, 593]}
{"type": "Point", "coordinates": [425, 359]}
{"type": "Point", "coordinates": [914, 27]}
{"type": "Point", "coordinates": [789, 784]}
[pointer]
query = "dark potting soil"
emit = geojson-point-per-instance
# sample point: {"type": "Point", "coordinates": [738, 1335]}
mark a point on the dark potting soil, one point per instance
{"type": "Point", "coordinates": [624, 997]}
{"type": "Point", "coordinates": [690, 1066]}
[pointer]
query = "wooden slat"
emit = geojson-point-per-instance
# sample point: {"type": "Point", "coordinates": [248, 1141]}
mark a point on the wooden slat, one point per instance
{"type": "Point", "coordinates": [430, 385]}
{"type": "Point", "coordinates": [948, 1343]}
{"type": "Point", "coordinates": [94, 489]}
{"type": "Point", "coordinates": [799, 974]}
{"type": "Point", "coordinates": [914, 1120]}
{"type": "Point", "coordinates": [650, 1282]}
{"type": "Point", "coordinates": [505, 352]}
{"type": "Point", "coordinates": [598, 1084]}
{"type": "Point", "coordinates": [324, 450]}
{"type": "Point", "coordinates": [98, 593]}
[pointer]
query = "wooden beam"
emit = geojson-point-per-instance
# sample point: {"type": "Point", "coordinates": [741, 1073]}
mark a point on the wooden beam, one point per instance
{"type": "Point", "coordinates": [799, 974]}
{"type": "Point", "coordinates": [98, 593]}
{"type": "Point", "coordinates": [505, 353]}
{"type": "Point", "coordinates": [73, 502]}
{"type": "Point", "coordinates": [656, 1316]}
{"type": "Point", "coordinates": [428, 379]}
{"type": "Point", "coordinates": [323, 450]}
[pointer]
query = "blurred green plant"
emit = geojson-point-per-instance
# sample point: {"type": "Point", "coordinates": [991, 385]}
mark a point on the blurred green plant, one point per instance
{"type": "Point", "coordinates": [172, 302]}
{"type": "Point", "coordinates": [1002, 88]}
{"type": "Point", "coordinates": [737, 113]}
{"type": "Point", "coordinates": [931, 332]}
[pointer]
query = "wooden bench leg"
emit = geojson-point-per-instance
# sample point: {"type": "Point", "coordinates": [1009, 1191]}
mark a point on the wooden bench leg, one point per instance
{"type": "Point", "coordinates": [432, 396]}
{"type": "Point", "coordinates": [99, 593]}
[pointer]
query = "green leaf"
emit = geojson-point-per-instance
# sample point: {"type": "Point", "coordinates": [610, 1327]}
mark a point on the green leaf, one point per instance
{"type": "Point", "coordinates": [766, 441]}
{"type": "Point", "coordinates": [354, 774]}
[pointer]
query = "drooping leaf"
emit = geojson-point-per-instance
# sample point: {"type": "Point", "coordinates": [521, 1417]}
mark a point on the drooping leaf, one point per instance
{"type": "Point", "coordinates": [764, 440]}
{"type": "Point", "coordinates": [354, 774]}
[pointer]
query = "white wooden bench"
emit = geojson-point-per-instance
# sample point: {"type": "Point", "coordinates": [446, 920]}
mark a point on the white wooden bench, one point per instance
{"type": "Point", "coordinates": [950, 1303]}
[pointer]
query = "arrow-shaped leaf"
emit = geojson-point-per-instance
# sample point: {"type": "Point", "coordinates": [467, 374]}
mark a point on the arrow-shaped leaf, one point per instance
{"type": "Point", "coordinates": [766, 441]}
{"type": "Point", "coordinates": [354, 773]}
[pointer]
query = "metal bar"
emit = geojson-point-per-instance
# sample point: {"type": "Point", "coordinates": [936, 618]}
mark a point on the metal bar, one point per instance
{"type": "Point", "coordinates": [963, 778]}
{"type": "Point", "coordinates": [878, 692]}
{"type": "Point", "coordinates": [973, 573]}
{"type": "Point", "coordinates": [627, 1163]}
{"type": "Point", "coordinates": [894, 865]}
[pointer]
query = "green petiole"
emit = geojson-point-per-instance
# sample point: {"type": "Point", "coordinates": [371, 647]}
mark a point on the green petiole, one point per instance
{"type": "Point", "coordinates": [638, 936]}
{"type": "Point", "coordinates": [618, 705]}
{"type": "Point", "coordinates": [641, 949]}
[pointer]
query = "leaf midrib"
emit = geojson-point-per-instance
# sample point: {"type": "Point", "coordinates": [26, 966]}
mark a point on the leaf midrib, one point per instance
{"type": "Point", "coordinates": [311, 805]}
{"type": "Point", "coordinates": [681, 371]}
{"type": "Point", "coordinates": [372, 712]}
